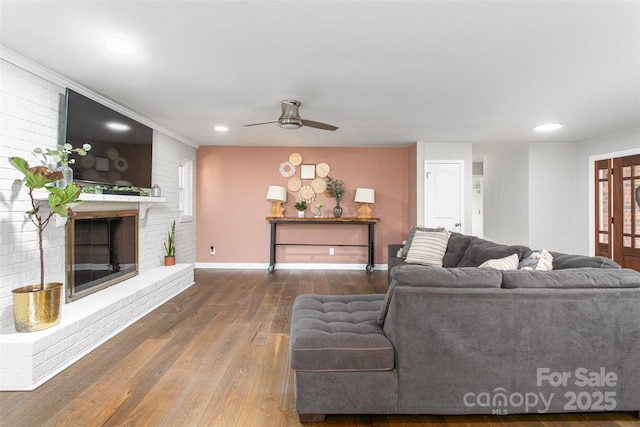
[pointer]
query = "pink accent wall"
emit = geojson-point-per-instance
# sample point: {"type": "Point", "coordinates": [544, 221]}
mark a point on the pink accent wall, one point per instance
{"type": "Point", "coordinates": [231, 205]}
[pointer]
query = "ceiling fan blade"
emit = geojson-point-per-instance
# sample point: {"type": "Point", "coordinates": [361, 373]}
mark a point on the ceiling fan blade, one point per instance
{"type": "Point", "coordinates": [318, 125]}
{"type": "Point", "coordinates": [263, 123]}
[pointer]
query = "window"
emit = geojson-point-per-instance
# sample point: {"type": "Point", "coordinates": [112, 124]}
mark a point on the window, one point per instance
{"type": "Point", "coordinates": [185, 190]}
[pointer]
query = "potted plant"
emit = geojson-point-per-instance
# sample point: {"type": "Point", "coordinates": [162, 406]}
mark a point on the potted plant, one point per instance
{"type": "Point", "coordinates": [37, 307]}
{"type": "Point", "coordinates": [301, 206]}
{"type": "Point", "coordinates": [335, 189]}
{"type": "Point", "coordinates": [170, 246]}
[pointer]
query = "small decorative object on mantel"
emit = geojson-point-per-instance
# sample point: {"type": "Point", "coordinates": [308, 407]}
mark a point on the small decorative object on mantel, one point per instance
{"type": "Point", "coordinates": [364, 196]}
{"type": "Point", "coordinates": [277, 195]}
{"type": "Point", "coordinates": [301, 206]}
{"type": "Point", "coordinates": [170, 246]}
{"type": "Point", "coordinates": [60, 157]}
{"type": "Point", "coordinates": [335, 189]}
{"type": "Point", "coordinates": [156, 191]}
{"type": "Point", "coordinates": [37, 307]}
{"type": "Point", "coordinates": [318, 210]}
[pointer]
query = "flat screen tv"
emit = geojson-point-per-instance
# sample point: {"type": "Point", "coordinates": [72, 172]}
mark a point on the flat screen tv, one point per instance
{"type": "Point", "coordinates": [120, 146]}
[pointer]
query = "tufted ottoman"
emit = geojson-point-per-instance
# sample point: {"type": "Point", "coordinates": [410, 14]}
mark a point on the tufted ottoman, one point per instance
{"type": "Point", "coordinates": [337, 348]}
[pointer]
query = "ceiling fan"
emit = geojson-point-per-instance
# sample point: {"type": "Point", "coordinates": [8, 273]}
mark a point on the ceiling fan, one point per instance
{"type": "Point", "coordinates": [290, 118]}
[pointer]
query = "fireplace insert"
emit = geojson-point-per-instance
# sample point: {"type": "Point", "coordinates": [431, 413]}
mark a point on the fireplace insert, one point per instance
{"type": "Point", "coordinates": [102, 250]}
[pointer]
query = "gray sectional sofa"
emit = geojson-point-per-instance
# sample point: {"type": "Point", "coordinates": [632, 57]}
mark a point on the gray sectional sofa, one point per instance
{"type": "Point", "coordinates": [469, 340]}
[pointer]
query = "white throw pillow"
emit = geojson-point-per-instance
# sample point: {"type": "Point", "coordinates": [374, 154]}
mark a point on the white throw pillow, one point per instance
{"type": "Point", "coordinates": [507, 263]}
{"type": "Point", "coordinates": [540, 260]}
{"type": "Point", "coordinates": [428, 247]}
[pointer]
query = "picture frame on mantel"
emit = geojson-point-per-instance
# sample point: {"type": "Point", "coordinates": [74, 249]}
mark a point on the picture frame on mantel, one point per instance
{"type": "Point", "coordinates": [307, 171]}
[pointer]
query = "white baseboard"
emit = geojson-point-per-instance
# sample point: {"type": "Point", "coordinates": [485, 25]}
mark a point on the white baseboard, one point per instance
{"type": "Point", "coordinates": [286, 266]}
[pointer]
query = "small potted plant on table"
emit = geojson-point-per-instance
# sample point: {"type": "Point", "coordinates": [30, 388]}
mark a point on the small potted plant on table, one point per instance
{"type": "Point", "coordinates": [301, 206]}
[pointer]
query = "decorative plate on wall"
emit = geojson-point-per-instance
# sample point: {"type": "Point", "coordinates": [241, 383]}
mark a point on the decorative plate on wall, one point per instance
{"type": "Point", "coordinates": [294, 183]}
{"type": "Point", "coordinates": [295, 159]}
{"type": "Point", "coordinates": [319, 185]}
{"type": "Point", "coordinates": [112, 153]}
{"type": "Point", "coordinates": [322, 170]}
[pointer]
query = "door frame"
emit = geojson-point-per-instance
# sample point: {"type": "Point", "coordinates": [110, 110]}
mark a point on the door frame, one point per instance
{"type": "Point", "coordinates": [461, 164]}
{"type": "Point", "coordinates": [592, 189]}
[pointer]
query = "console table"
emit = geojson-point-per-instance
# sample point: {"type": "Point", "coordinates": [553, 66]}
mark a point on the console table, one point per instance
{"type": "Point", "coordinates": [370, 223]}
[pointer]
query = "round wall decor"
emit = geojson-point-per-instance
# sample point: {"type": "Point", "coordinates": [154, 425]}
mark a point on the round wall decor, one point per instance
{"type": "Point", "coordinates": [88, 161]}
{"type": "Point", "coordinates": [287, 169]}
{"type": "Point", "coordinates": [322, 170]}
{"type": "Point", "coordinates": [319, 185]}
{"type": "Point", "coordinates": [307, 194]}
{"type": "Point", "coordinates": [294, 183]}
{"type": "Point", "coordinates": [121, 164]}
{"type": "Point", "coordinates": [295, 159]}
{"type": "Point", "coordinates": [112, 153]}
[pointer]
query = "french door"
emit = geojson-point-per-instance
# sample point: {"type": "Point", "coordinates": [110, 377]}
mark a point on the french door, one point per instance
{"type": "Point", "coordinates": [618, 210]}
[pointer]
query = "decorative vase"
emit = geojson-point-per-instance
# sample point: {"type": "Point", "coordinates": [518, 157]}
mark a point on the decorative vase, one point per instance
{"type": "Point", "coordinates": [35, 309]}
{"type": "Point", "coordinates": [300, 214]}
{"type": "Point", "coordinates": [337, 211]}
{"type": "Point", "coordinates": [67, 176]}
{"type": "Point", "coordinates": [169, 260]}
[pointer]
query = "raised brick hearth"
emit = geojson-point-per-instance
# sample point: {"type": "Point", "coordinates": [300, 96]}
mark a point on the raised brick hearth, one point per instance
{"type": "Point", "coordinates": [29, 359]}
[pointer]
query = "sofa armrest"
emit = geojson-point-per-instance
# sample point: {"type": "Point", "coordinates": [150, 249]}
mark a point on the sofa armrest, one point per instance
{"type": "Point", "coordinates": [393, 248]}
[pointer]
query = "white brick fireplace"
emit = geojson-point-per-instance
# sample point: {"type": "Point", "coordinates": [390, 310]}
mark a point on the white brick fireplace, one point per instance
{"type": "Point", "coordinates": [30, 117]}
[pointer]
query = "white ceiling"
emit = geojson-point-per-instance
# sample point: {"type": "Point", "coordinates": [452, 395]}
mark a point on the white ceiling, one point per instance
{"type": "Point", "coordinates": [386, 73]}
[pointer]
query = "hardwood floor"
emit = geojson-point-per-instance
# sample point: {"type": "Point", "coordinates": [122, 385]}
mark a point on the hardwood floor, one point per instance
{"type": "Point", "coordinates": [218, 355]}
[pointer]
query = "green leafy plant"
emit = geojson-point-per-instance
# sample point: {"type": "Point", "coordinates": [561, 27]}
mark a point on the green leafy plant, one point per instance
{"type": "Point", "coordinates": [61, 154]}
{"type": "Point", "coordinates": [59, 200]}
{"type": "Point", "coordinates": [169, 246]}
{"type": "Point", "coordinates": [301, 205]}
{"type": "Point", "coordinates": [335, 188]}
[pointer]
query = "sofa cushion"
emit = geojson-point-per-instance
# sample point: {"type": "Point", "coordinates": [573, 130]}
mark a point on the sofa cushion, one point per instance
{"type": "Point", "coordinates": [435, 277]}
{"type": "Point", "coordinates": [339, 333]}
{"type": "Point", "coordinates": [585, 277]}
{"type": "Point", "coordinates": [457, 246]}
{"type": "Point", "coordinates": [428, 248]}
{"type": "Point", "coordinates": [507, 263]}
{"type": "Point", "coordinates": [561, 261]}
{"type": "Point", "coordinates": [412, 232]}
{"type": "Point", "coordinates": [537, 260]}
{"type": "Point", "coordinates": [481, 250]}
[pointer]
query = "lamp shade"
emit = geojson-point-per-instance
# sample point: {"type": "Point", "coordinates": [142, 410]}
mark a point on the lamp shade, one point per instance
{"type": "Point", "coordinates": [277, 194]}
{"type": "Point", "coordinates": [365, 195]}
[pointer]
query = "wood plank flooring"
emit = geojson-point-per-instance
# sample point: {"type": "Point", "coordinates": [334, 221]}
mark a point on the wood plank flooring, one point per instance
{"type": "Point", "coordinates": [218, 355]}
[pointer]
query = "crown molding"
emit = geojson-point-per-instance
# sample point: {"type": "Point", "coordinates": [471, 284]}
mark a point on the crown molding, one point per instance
{"type": "Point", "coordinates": [55, 78]}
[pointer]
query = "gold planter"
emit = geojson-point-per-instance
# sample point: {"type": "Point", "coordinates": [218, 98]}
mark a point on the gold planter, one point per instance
{"type": "Point", "coordinates": [34, 310]}
{"type": "Point", "coordinates": [169, 260]}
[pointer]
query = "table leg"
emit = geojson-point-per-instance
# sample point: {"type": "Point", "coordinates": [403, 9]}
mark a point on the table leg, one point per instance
{"type": "Point", "coordinates": [272, 249]}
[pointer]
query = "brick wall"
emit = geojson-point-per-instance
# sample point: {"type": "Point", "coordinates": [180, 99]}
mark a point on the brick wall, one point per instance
{"type": "Point", "coordinates": [31, 113]}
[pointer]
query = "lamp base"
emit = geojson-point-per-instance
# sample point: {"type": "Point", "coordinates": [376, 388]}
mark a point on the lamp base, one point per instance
{"type": "Point", "coordinates": [364, 212]}
{"type": "Point", "coordinates": [277, 211]}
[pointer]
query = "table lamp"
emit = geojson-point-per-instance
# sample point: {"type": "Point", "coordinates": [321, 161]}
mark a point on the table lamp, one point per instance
{"type": "Point", "coordinates": [277, 195]}
{"type": "Point", "coordinates": [364, 196]}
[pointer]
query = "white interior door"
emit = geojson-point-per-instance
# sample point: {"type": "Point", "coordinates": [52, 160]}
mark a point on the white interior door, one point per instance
{"type": "Point", "coordinates": [444, 194]}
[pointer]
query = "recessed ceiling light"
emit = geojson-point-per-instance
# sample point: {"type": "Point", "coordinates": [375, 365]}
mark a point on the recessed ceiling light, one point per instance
{"type": "Point", "coordinates": [548, 127]}
{"type": "Point", "coordinates": [118, 127]}
{"type": "Point", "coordinates": [122, 47]}
{"type": "Point", "coordinates": [221, 128]}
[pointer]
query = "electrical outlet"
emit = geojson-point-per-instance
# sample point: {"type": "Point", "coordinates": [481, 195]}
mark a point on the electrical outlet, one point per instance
{"type": "Point", "coordinates": [331, 251]}
{"type": "Point", "coordinates": [213, 250]}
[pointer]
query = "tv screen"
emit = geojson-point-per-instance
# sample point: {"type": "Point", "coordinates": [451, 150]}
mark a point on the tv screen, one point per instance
{"type": "Point", "coordinates": [120, 146]}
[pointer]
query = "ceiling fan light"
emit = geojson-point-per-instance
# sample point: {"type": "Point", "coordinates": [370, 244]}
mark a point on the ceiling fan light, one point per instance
{"type": "Point", "coordinates": [290, 123]}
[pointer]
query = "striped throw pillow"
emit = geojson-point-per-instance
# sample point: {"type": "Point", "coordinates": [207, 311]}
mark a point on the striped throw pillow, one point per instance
{"type": "Point", "coordinates": [428, 247]}
{"type": "Point", "coordinates": [506, 263]}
